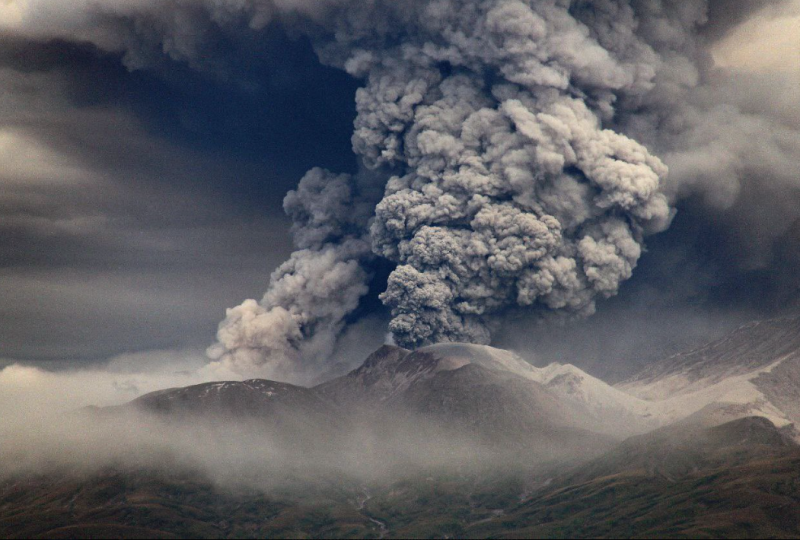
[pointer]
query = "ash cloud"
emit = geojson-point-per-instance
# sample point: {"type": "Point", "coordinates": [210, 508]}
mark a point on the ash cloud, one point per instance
{"type": "Point", "coordinates": [517, 154]}
{"type": "Point", "coordinates": [303, 313]}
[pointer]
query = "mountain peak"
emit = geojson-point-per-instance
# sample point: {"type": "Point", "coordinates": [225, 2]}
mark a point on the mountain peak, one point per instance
{"type": "Point", "coordinates": [391, 369]}
{"type": "Point", "coordinates": [386, 354]}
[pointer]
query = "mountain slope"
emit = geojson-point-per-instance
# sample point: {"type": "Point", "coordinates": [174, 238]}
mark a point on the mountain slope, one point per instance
{"type": "Point", "coordinates": [502, 411]}
{"type": "Point", "coordinates": [755, 370]}
{"type": "Point", "coordinates": [753, 347]}
{"type": "Point", "coordinates": [737, 480]}
{"type": "Point", "coordinates": [147, 504]}
{"type": "Point", "coordinates": [391, 371]}
{"type": "Point", "coordinates": [603, 407]}
{"type": "Point", "coordinates": [252, 398]}
{"type": "Point", "coordinates": [283, 414]}
{"type": "Point", "coordinates": [463, 398]}
{"type": "Point", "coordinates": [680, 449]}
{"type": "Point", "coordinates": [381, 452]}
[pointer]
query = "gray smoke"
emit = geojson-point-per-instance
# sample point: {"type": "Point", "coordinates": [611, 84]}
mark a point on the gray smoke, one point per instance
{"type": "Point", "coordinates": [310, 295]}
{"type": "Point", "coordinates": [522, 141]}
{"type": "Point", "coordinates": [511, 192]}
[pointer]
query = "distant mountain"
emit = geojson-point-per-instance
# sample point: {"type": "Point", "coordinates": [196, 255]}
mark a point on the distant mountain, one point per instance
{"type": "Point", "coordinates": [754, 346]}
{"type": "Point", "coordinates": [755, 370]}
{"type": "Point", "coordinates": [390, 370]}
{"type": "Point", "coordinates": [435, 396]}
{"type": "Point", "coordinates": [444, 398]}
{"type": "Point", "coordinates": [499, 410]}
{"type": "Point", "coordinates": [253, 398]}
{"type": "Point", "coordinates": [699, 444]}
{"type": "Point", "coordinates": [447, 392]}
{"type": "Point", "coordinates": [498, 396]}
{"type": "Point", "coordinates": [285, 413]}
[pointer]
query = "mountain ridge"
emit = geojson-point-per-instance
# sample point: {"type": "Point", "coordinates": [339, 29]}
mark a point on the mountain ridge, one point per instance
{"type": "Point", "coordinates": [754, 370]}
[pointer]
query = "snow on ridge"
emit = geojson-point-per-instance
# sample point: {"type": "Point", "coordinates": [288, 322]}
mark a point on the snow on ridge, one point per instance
{"type": "Point", "coordinates": [641, 406]}
{"type": "Point", "coordinates": [675, 399]}
{"type": "Point", "coordinates": [484, 355]}
{"type": "Point", "coordinates": [604, 402]}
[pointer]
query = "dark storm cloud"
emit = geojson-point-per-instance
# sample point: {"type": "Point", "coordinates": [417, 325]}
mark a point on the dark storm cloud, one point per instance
{"type": "Point", "coordinates": [136, 206]}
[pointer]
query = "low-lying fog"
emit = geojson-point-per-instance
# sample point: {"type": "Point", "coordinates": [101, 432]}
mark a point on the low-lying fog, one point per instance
{"type": "Point", "coordinates": [51, 423]}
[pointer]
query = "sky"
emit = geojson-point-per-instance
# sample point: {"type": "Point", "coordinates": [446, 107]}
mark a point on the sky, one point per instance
{"type": "Point", "coordinates": [142, 192]}
{"type": "Point", "coordinates": [137, 206]}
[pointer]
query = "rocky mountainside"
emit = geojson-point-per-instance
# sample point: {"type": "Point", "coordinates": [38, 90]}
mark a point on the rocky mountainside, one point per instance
{"type": "Point", "coordinates": [499, 408]}
{"type": "Point", "coordinates": [678, 450]}
{"type": "Point", "coordinates": [284, 416]}
{"type": "Point", "coordinates": [253, 398]}
{"type": "Point", "coordinates": [495, 395]}
{"type": "Point", "coordinates": [699, 444]}
{"type": "Point", "coordinates": [472, 401]}
{"type": "Point", "coordinates": [755, 370]}
{"type": "Point", "coordinates": [392, 375]}
{"type": "Point", "coordinates": [452, 440]}
{"type": "Point", "coordinates": [735, 480]}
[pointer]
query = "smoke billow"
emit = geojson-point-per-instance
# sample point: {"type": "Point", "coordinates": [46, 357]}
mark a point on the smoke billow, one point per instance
{"type": "Point", "coordinates": [517, 154]}
{"type": "Point", "coordinates": [506, 189]}
{"type": "Point", "coordinates": [310, 295]}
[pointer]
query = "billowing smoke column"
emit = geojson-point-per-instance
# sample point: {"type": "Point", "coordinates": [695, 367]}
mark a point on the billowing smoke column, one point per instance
{"type": "Point", "coordinates": [500, 173]}
{"type": "Point", "coordinates": [506, 192]}
{"type": "Point", "coordinates": [311, 294]}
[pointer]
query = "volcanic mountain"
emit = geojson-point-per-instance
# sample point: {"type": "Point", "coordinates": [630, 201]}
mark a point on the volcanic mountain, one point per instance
{"type": "Point", "coordinates": [452, 395]}
{"type": "Point", "coordinates": [560, 393]}
{"type": "Point", "coordinates": [754, 370]}
{"type": "Point", "coordinates": [452, 440]}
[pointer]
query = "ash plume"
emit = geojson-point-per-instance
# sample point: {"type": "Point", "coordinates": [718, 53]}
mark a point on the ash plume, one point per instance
{"type": "Point", "coordinates": [507, 191]}
{"type": "Point", "coordinates": [309, 295]}
{"type": "Point", "coordinates": [517, 154]}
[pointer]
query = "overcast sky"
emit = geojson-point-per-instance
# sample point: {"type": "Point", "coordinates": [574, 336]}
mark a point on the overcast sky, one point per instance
{"type": "Point", "coordinates": [137, 205]}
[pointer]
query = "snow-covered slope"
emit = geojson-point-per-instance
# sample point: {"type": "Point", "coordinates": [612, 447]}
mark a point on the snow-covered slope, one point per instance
{"type": "Point", "coordinates": [752, 348]}
{"type": "Point", "coordinates": [612, 410]}
{"type": "Point", "coordinates": [755, 370]}
{"type": "Point", "coordinates": [737, 396]}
